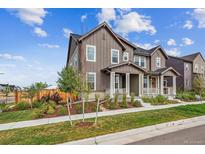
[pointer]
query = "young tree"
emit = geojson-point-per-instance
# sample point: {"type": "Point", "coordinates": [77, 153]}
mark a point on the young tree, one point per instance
{"type": "Point", "coordinates": [31, 93]}
{"type": "Point", "coordinates": [6, 92]}
{"type": "Point", "coordinates": [70, 81]}
{"type": "Point", "coordinates": [199, 85]}
{"type": "Point", "coordinates": [40, 86]}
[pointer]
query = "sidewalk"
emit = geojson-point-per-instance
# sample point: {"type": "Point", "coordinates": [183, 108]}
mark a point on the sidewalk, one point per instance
{"type": "Point", "coordinates": [138, 134]}
{"type": "Point", "coordinates": [22, 124]}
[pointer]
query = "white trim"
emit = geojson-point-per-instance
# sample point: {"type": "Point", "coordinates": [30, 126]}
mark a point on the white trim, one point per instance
{"type": "Point", "coordinates": [117, 76]}
{"type": "Point", "coordinates": [118, 56]}
{"type": "Point", "coordinates": [158, 58]}
{"type": "Point", "coordinates": [94, 73]}
{"type": "Point", "coordinates": [125, 54]}
{"type": "Point", "coordinates": [92, 46]}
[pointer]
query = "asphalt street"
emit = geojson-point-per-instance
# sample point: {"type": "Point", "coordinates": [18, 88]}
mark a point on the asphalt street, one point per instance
{"type": "Point", "coordinates": [190, 136]}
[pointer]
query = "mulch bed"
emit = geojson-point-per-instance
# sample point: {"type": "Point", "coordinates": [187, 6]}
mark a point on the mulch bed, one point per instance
{"type": "Point", "coordinates": [84, 124]}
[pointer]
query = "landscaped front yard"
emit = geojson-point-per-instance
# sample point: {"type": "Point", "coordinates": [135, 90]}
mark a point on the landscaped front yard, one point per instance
{"type": "Point", "coordinates": [63, 132]}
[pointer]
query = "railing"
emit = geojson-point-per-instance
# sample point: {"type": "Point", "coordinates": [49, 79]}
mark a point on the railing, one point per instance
{"type": "Point", "coordinates": [156, 91]}
{"type": "Point", "coordinates": [117, 91]}
{"type": "Point", "coordinates": [150, 90]}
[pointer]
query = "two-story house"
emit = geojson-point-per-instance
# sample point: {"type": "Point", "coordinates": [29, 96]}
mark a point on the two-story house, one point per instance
{"type": "Point", "coordinates": [188, 66]}
{"type": "Point", "coordinates": [111, 64]}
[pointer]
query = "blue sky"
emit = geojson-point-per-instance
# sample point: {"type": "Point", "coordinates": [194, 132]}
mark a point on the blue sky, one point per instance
{"type": "Point", "coordinates": [33, 42]}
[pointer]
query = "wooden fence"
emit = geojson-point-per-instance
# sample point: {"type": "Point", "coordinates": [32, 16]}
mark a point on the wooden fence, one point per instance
{"type": "Point", "coordinates": [21, 96]}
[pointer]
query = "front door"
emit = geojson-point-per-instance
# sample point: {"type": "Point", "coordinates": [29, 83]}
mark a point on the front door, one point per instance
{"type": "Point", "coordinates": [154, 84]}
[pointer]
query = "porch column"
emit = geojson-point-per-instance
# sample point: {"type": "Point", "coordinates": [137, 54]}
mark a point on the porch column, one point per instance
{"type": "Point", "coordinates": [140, 85]}
{"type": "Point", "coordinates": [162, 85]}
{"type": "Point", "coordinates": [148, 84]}
{"type": "Point", "coordinates": [128, 84]}
{"type": "Point", "coordinates": [142, 79]}
{"type": "Point", "coordinates": [112, 83]}
{"type": "Point", "coordinates": [174, 85]}
{"type": "Point", "coordinates": [158, 83]}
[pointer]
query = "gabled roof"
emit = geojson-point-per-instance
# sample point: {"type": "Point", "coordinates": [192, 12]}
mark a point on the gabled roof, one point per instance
{"type": "Point", "coordinates": [178, 58]}
{"type": "Point", "coordinates": [104, 24]}
{"type": "Point", "coordinates": [191, 57]}
{"type": "Point", "coordinates": [163, 70]}
{"type": "Point", "coordinates": [124, 63]}
{"type": "Point", "coordinates": [150, 52]}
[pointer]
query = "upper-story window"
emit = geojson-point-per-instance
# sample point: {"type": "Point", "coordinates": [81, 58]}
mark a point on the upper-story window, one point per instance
{"type": "Point", "coordinates": [125, 56]}
{"type": "Point", "coordinates": [202, 69]}
{"type": "Point", "coordinates": [196, 67]}
{"type": "Point", "coordinates": [91, 53]}
{"type": "Point", "coordinates": [91, 80]}
{"type": "Point", "coordinates": [140, 61]}
{"type": "Point", "coordinates": [187, 67]}
{"type": "Point", "coordinates": [158, 62]}
{"type": "Point", "coordinates": [114, 56]}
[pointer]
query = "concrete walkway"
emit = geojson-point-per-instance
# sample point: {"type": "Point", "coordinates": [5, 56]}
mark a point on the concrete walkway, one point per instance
{"type": "Point", "coordinates": [22, 124]}
{"type": "Point", "coordinates": [134, 135]}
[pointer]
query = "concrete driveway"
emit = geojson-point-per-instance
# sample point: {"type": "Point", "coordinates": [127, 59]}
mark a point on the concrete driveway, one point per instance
{"type": "Point", "coordinates": [190, 136]}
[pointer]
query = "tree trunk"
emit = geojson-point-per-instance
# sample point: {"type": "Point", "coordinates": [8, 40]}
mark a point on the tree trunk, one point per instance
{"type": "Point", "coordinates": [97, 108]}
{"type": "Point", "coordinates": [68, 107]}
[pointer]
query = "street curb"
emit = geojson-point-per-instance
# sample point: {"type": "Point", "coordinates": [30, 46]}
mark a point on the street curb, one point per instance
{"type": "Point", "coordinates": [133, 135]}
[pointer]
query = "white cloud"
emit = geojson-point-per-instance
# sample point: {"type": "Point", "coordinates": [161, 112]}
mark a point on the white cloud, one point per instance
{"type": "Point", "coordinates": [51, 46]}
{"type": "Point", "coordinates": [30, 16]}
{"type": "Point", "coordinates": [145, 45]}
{"type": "Point", "coordinates": [83, 17]}
{"type": "Point", "coordinates": [173, 52]}
{"type": "Point", "coordinates": [156, 41]}
{"type": "Point", "coordinates": [188, 24]}
{"type": "Point", "coordinates": [106, 14]}
{"type": "Point", "coordinates": [40, 32]}
{"type": "Point", "coordinates": [187, 41]}
{"type": "Point", "coordinates": [7, 56]}
{"type": "Point", "coordinates": [199, 15]}
{"type": "Point", "coordinates": [7, 65]}
{"type": "Point", "coordinates": [66, 32]}
{"type": "Point", "coordinates": [134, 22]}
{"type": "Point", "coordinates": [124, 10]}
{"type": "Point", "coordinates": [171, 42]}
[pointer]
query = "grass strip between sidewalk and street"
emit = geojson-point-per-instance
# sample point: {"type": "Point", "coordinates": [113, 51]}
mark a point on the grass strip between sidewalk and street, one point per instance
{"type": "Point", "coordinates": [63, 132]}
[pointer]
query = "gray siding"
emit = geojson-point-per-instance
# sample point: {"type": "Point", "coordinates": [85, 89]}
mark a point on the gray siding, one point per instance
{"type": "Point", "coordinates": [104, 42]}
{"type": "Point", "coordinates": [188, 76]}
{"type": "Point", "coordinates": [200, 62]}
{"type": "Point", "coordinates": [157, 53]}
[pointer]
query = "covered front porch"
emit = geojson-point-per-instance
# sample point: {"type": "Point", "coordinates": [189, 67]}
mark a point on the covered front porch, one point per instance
{"type": "Point", "coordinates": [162, 81]}
{"type": "Point", "coordinates": [125, 78]}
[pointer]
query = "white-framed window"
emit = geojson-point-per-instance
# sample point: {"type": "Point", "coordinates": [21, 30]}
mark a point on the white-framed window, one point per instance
{"type": "Point", "coordinates": [158, 62]}
{"type": "Point", "coordinates": [140, 61]}
{"type": "Point", "coordinates": [125, 56]}
{"type": "Point", "coordinates": [117, 81]}
{"type": "Point", "coordinates": [196, 67]}
{"type": "Point", "coordinates": [145, 81]}
{"type": "Point", "coordinates": [202, 69]}
{"type": "Point", "coordinates": [91, 53]}
{"type": "Point", "coordinates": [114, 56]}
{"type": "Point", "coordinates": [91, 80]}
{"type": "Point", "coordinates": [187, 67]}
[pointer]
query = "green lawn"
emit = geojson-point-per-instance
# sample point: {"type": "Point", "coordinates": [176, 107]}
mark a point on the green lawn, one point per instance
{"type": "Point", "coordinates": [6, 117]}
{"type": "Point", "coordinates": [62, 132]}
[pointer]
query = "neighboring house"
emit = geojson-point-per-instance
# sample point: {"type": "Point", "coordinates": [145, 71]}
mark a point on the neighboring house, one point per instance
{"type": "Point", "coordinates": [111, 64]}
{"type": "Point", "coordinates": [188, 66]}
{"type": "Point", "coordinates": [3, 86]}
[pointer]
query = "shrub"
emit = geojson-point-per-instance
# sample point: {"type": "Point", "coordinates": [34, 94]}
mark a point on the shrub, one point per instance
{"type": "Point", "coordinates": [107, 101]}
{"type": "Point", "coordinates": [6, 108]}
{"type": "Point", "coordinates": [116, 100]}
{"type": "Point", "coordinates": [50, 110]}
{"type": "Point", "coordinates": [147, 99]}
{"type": "Point", "coordinates": [171, 102]}
{"type": "Point", "coordinates": [78, 108]}
{"type": "Point", "coordinates": [62, 110]}
{"type": "Point", "coordinates": [56, 98]}
{"type": "Point", "coordinates": [124, 101]}
{"type": "Point", "coordinates": [44, 108]}
{"type": "Point", "coordinates": [37, 113]}
{"type": "Point", "coordinates": [52, 103]}
{"type": "Point", "coordinates": [186, 96]}
{"type": "Point", "coordinates": [136, 103]}
{"type": "Point", "coordinates": [22, 106]}
{"type": "Point", "coordinates": [37, 104]}
{"type": "Point", "coordinates": [160, 99]}
{"type": "Point", "coordinates": [132, 98]}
